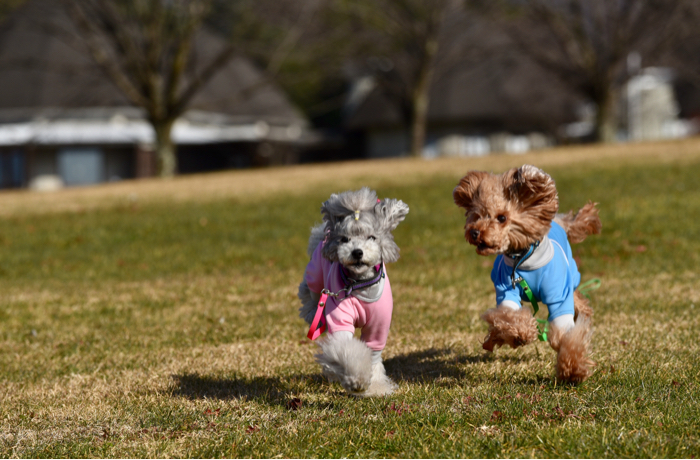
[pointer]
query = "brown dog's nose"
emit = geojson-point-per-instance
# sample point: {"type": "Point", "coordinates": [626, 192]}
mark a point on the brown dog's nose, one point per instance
{"type": "Point", "coordinates": [474, 234]}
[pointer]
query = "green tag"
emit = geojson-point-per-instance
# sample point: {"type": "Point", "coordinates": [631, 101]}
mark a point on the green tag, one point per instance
{"type": "Point", "coordinates": [542, 336]}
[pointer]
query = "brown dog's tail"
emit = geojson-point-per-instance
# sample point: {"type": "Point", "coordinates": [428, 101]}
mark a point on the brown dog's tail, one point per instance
{"type": "Point", "coordinates": [578, 226]}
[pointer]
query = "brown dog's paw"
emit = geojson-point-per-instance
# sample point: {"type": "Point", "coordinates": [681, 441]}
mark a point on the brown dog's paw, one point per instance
{"type": "Point", "coordinates": [514, 328]}
{"type": "Point", "coordinates": [491, 342]}
{"type": "Point", "coordinates": [582, 309]}
{"type": "Point", "coordinates": [573, 362]}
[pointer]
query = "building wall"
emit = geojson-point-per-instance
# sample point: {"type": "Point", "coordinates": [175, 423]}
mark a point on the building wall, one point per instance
{"type": "Point", "coordinates": [387, 143]}
{"type": "Point", "coordinates": [78, 165]}
{"type": "Point", "coordinates": [234, 155]}
{"type": "Point", "coordinates": [652, 109]}
{"type": "Point", "coordinates": [454, 142]}
{"type": "Point", "coordinates": [13, 173]}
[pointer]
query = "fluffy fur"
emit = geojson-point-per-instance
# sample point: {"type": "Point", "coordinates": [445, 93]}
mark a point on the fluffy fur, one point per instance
{"type": "Point", "coordinates": [525, 197]}
{"type": "Point", "coordinates": [358, 241]}
{"type": "Point", "coordinates": [371, 233]}
{"type": "Point", "coordinates": [514, 328]}
{"type": "Point", "coordinates": [578, 227]}
{"type": "Point", "coordinates": [348, 361]}
{"type": "Point", "coordinates": [506, 213]}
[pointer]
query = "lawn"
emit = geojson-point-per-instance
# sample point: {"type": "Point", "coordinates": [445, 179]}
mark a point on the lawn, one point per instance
{"type": "Point", "coordinates": [159, 319]}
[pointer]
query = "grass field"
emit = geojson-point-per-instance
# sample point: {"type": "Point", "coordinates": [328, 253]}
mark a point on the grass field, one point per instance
{"type": "Point", "coordinates": [158, 319]}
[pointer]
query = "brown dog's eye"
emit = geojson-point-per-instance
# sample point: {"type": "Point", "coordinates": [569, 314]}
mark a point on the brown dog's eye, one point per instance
{"type": "Point", "coordinates": [501, 218]}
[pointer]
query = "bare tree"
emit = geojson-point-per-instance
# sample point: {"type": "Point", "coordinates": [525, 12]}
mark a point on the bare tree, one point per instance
{"type": "Point", "coordinates": [145, 48]}
{"type": "Point", "coordinates": [413, 43]}
{"type": "Point", "coordinates": [298, 42]}
{"type": "Point", "coordinates": [586, 42]}
{"type": "Point", "coordinates": [8, 6]}
{"type": "Point", "coordinates": [685, 55]}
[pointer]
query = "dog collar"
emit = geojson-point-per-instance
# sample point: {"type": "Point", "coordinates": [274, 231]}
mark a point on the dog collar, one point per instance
{"type": "Point", "coordinates": [518, 258]}
{"type": "Point", "coordinates": [351, 285]}
{"type": "Point", "coordinates": [539, 258]}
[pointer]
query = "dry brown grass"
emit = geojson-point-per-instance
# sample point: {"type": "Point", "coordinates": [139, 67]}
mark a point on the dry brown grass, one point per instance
{"type": "Point", "coordinates": [131, 407]}
{"type": "Point", "coordinates": [178, 361]}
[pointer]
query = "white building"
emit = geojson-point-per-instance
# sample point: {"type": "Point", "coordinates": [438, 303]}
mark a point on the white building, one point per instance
{"type": "Point", "coordinates": [62, 121]}
{"type": "Point", "coordinates": [652, 109]}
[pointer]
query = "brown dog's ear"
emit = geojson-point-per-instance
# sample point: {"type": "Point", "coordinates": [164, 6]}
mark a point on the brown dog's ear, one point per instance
{"type": "Point", "coordinates": [532, 187]}
{"type": "Point", "coordinates": [463, 194]}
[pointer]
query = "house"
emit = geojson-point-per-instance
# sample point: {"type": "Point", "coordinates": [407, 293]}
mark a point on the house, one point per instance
{"type": "Point", "coordinates": [507, 103]}
{"type": "Point", "coordinates": [62, 121]}
{"type": "Point", "coordinates": [502, 104]}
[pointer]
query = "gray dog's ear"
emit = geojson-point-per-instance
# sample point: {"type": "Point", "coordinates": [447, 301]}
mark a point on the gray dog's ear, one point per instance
{"type": "Point", "coordinates": [391, 213]}
{"type": "Point", "coordinates": [329, 208]}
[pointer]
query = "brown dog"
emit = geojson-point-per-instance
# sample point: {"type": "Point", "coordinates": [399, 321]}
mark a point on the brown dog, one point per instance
{"type": "Point", "coordinates": [514, 215]}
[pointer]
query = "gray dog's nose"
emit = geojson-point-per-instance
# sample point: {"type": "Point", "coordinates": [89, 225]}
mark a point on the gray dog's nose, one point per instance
{"type": "Point", "coordinates": [357, 254]}
{"type": "Point", "coordinates": [474, 234]}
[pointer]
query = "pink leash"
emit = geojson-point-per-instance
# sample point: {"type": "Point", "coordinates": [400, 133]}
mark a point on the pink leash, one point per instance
{"type": "Point", "coordinates": [314, 330]}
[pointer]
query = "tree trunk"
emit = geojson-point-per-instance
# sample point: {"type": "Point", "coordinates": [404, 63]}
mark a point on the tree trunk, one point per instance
{"type": "Point", "coordinates": [165, 148]}
{"type": "Point", "coordinates": [421, 100]}
{"type": "Point", "coordinates": [606, 116]}
{"type": "Point", "coordinates": [419, 121]}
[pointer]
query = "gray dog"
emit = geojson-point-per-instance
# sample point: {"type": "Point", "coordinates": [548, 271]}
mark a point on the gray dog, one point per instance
{"type": "Point", "coordinates": [345, 287]}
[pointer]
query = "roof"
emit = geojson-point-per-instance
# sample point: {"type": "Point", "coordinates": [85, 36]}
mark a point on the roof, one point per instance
{"type": "Point", "coordinates": [127, 126]}
{"type": "Point", "coordinates": [504, 92]}
{"type": "Point", "coordinates": [43, 77]}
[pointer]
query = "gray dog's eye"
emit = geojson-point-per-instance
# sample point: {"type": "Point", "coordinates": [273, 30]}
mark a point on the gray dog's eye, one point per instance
{"type": "Point", "coordinates": [344, 239]}
{"type": "Point", "coordinates": [371, 237]}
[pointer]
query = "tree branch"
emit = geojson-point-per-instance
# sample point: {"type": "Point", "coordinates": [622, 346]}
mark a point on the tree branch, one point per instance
{"type": "Point", "coordinates": [202, 78]}
{"type": "Point", "coordinates": [103, 60]}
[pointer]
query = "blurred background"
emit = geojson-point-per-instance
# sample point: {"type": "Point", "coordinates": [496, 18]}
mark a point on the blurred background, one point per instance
{"type": "Point", "coordinates": [94, 91]}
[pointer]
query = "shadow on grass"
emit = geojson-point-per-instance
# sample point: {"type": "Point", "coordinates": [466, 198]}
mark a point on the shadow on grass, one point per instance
{"type": "Point", "coordinates": [438, 363]}
{"type": "Point", "coordinates": [428, 365]}
{"type": "Point", "coordinates": [424, 366]}
{"type": "Point", "coordinates": [541, 380]}
{"type": "Point", "coordinates": [276, 391]}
